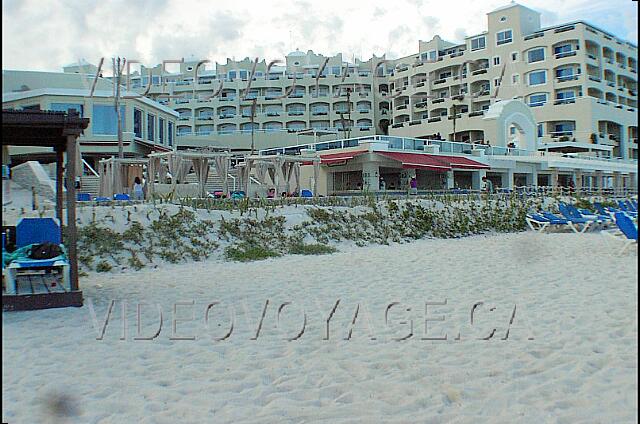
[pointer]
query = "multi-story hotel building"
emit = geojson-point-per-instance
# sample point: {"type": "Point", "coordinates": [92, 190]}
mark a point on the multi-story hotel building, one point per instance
{"type": "Point", "coordinates": [502, 96]}
{"type": "Point", "coordinates": [326, 96]}
{"type": "Point", "coordinates": [579, 81]}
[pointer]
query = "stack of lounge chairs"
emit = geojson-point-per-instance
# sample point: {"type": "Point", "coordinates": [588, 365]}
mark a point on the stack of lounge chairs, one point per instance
{"type": "Point", "coordinates": [617, 223]}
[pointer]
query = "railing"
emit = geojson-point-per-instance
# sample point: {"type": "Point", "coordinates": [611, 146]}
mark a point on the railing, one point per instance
{"type": "Point", "coordinates": [93, 171]}
{"type": "Point", "coordinates": [445, 147]}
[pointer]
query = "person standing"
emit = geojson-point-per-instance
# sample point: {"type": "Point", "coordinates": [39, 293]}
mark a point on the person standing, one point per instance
{"type": "Point", "coordinates": [488, 185]}
{"type": "Point", "coordinates": [413, 184]}
{"type": "Point", "coordinates": [383, 185]}
{"type": "Point", "coordinates": [138, 189]}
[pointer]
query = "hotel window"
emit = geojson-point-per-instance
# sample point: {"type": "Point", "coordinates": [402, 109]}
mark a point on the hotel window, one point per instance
{"type": "Point", "coordinates": [170, 134]}
{"type": "Point", "coordinates": [151, 126]}
{"type": "Point", "coordinates": [515, 79]}
{"type": "Point", "coordinates": [496, 82]}
{"type": "Point", "coordinates": [104, 120]}
{"type": "Point", "coordinates": [566, 94]}
{"type": "Point", "coordinates": [514, 56]}
{"type": "Point", "coordinates": [496, 61]}
{"type": "Point", "coordinates": [565, 128]}
{"type": "Point", "coordinates": [540, 130]}
{"type": "Point", "coordinates": [433, 55]}
{"type": "Point", "coordinates": [535, 55]}
{"type": "Point", "coordinates": [537, 77]}
{"type": "Point", "coordinates": [137, 122]}
{"type": "Point", "coordinates": [537, 99]}
{"type": "Point", "coordinates": [66, 107]}
{"type": "Point", "coordinates": [161, 130]}
{"type": "Point", "coordinates": [566, 73]}
{"type": "Point", "coordinates": [478, 43]}
{"type": "Point", "coordinates": [335, 70]}
{"type": "Point", "coordinates": [232, 74]}
{"type": "Point", "coordinates": [504, 37]}
{"type": "Point", "coordinates": [243, 75]}
{"type": "Point", "coordinates": [564, 48]}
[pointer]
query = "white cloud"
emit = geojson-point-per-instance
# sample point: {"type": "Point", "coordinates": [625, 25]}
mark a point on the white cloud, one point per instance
{"type": "Point", "coordinates": [47, 35]}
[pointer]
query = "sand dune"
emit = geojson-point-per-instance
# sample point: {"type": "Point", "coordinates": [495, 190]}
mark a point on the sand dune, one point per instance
{"type": "Point", "coordinates": [571, 354]}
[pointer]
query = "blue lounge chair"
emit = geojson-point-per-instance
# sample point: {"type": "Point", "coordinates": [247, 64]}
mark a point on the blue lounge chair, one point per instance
{"type": "Point", "coordinates": [84, 197]}
{"type": "Point", "coordinates": [626, 230]}
{"type": "Point", "coordinates": [237, 195]}
{"type": "Point", "coordinates": [572, 223]}
{"type": "Point", "coordinates": [31, 231]}
{"type": "Point", "coordinates": [572, 214]}
{"type": "Point", "coordinates": [121, 196]}
{"type": "Point", "coordinates": [587, 214]}
{"type": "Point", "coordinates": [306, 193]}
{"type": "Point", "coordinates": [630, 206]}
{"type": "Point", "coordinates": [624, 207]}
{"type": "Point", "coordinates": [540, 223]}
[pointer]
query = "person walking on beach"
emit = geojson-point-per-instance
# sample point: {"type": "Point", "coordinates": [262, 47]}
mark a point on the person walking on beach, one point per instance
{"type": "Point", "coordinates": [488, 184]}
{"type": "Point", "coordinates": [414, 185]}
{"type": "Point", "coordinates": [138, 190]}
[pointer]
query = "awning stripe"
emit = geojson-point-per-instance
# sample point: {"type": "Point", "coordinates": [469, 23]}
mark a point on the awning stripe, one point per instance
{"type": "Point", "coordinates": [462, 162]}
{"type": "Point", "coordinates": [339, 157]}
{"type": "Point", "coordinates": [418, 160]}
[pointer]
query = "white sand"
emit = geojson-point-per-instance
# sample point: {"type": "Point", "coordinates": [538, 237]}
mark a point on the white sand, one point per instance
{"type": "Point", "coordinates": [575, 299]}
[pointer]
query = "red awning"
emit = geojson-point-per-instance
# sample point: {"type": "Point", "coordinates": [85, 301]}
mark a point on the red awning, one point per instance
{"type": "Point", "coordinates": [333, 158]}
{"type": "Point", "coordinates": [462, 162]}
{"type": "Point", "coordinates": [418, 161]}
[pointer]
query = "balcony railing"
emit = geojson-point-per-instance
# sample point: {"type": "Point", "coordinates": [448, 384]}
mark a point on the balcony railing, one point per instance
{"type": "Point", "coordinates": [565, 101]}
{"type": "Point", "coordinates": [571, 77]}
{"type": "Point", "coordinates": [566, 54]}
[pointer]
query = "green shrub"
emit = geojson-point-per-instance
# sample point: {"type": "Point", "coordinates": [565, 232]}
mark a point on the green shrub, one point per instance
{"type": "Point", "coordinates": [245, 252]}
{"type": "Point", "coordinates": [311, 249]}
{"type": "Point", "coordinates": [103, 266]}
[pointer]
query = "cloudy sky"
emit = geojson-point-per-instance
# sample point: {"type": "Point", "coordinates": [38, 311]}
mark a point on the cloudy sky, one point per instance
{"type": "Point", "coordinates": [45, 35]}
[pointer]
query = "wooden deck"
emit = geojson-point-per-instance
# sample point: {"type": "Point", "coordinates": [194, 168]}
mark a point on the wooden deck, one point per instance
{"type": "Point", "coordinates": [40, 290]}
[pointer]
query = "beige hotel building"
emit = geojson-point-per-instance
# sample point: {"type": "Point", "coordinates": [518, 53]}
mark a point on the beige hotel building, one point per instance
{"type": "Point", "coordinates": [579, 81]}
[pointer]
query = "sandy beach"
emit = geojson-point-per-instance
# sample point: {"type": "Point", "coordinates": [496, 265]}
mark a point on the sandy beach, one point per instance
{"type": "Point", "coordinates": [570, 354]}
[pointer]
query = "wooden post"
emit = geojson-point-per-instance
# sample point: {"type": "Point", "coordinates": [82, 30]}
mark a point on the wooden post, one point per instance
{"type": "Point", "coordinates": [59, 183]}
{"type": "Point", "coordinates": [316, 173]}
{"type": "Point", "coordinates": [71, 211]}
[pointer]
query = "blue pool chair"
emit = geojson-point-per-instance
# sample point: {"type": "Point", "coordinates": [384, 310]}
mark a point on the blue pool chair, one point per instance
{"type": "Point", "coordinates": [32, 231]}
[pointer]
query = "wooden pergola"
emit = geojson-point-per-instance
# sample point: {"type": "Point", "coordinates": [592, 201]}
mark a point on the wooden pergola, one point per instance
{"type": "Point", "coordinates": [59, 131]}
{"type": "Point", "coordinates": [280, 168]}
{"type": "Point", "coordinates": [180, 162]}
{"type": "Point", "coordinates": [114, 174]}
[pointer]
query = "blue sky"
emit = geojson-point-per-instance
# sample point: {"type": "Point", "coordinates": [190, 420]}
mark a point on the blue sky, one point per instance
{"type": "Point", "coordinates": [42, 35]}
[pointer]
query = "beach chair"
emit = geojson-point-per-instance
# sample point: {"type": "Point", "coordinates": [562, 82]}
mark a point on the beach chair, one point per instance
{"type": "Point", "coordinates": [624, 207]}
{"type": "Point", "coordinates": [587, 214]}
{"type": "Point", "coordinates": [540, 223]}
{"type": "Point", "coordinates": [576, 225]}
{"type": "Point", "coordinates": [306, 193]}
{"type": "Point", "coordinates": [32, 231]}
{"type": "Point", "coordinates": [237, 195]}
{"type": "Point", "coordinates": [626, 230]}
{"type": "Point", "coordinates": [83, 197]}
{"type": "Point", "coordinates": [630, 206]}
{"type": "Point", "coordinates": [572, 214]}
{"type": "Point", "coordinates": [121, 196]}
